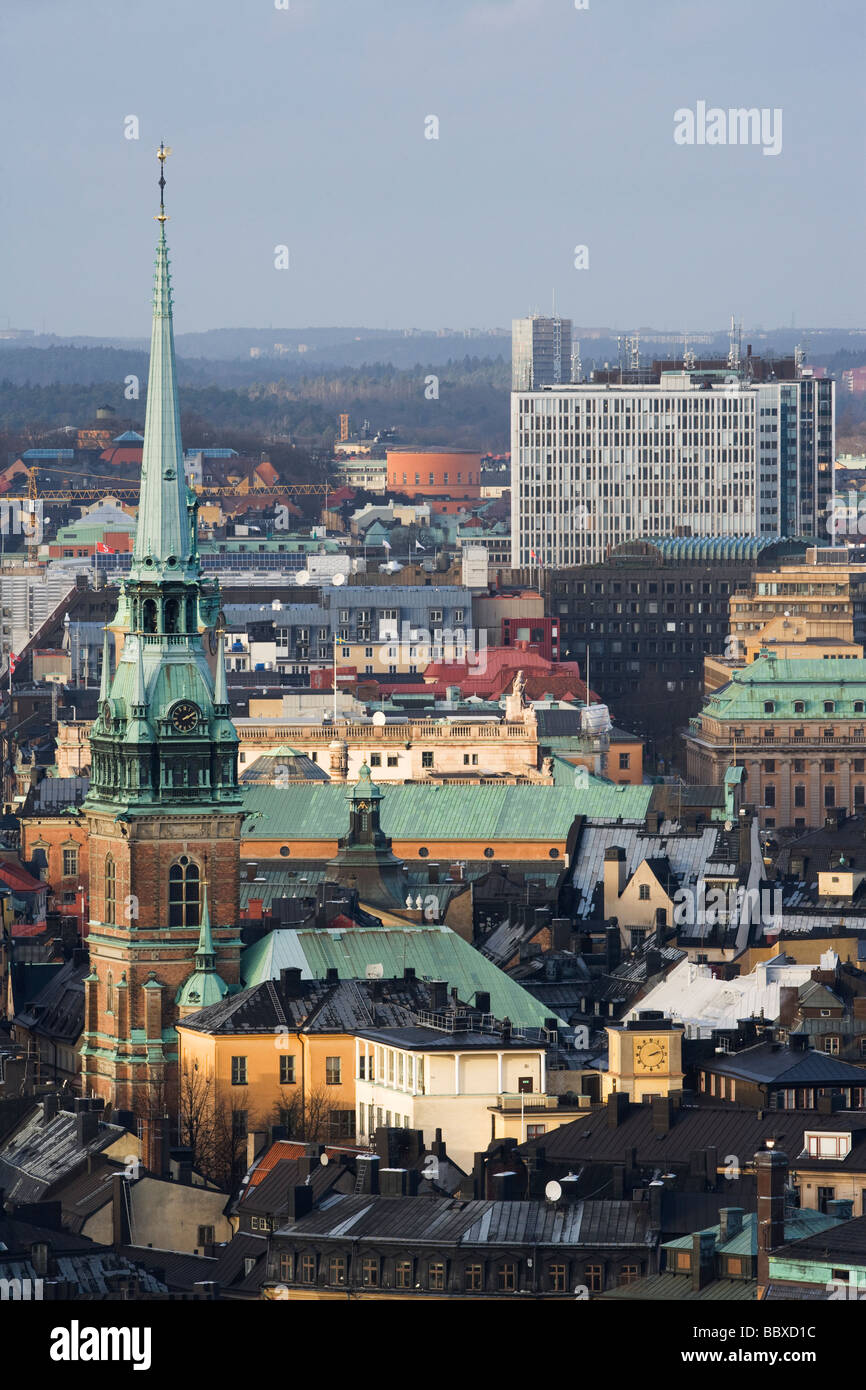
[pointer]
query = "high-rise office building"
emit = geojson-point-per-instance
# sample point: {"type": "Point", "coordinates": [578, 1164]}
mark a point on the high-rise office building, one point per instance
{"type": "Point", "coordinates": [706, 453]}
{"type": "Point", "coordinates": [540, 352]}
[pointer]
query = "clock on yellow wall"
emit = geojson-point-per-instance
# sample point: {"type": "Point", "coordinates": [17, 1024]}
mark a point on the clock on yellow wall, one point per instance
{"type": "Point", "coordinates": [651, 1054]}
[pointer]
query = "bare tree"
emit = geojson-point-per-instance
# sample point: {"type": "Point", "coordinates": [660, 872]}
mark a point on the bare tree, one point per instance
{"type": "Point", "coordinates": [309, 1117]}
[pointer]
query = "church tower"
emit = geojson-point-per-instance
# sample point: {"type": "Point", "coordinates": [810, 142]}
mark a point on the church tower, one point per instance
{"type": "Point", "coordinates": [164, 811]}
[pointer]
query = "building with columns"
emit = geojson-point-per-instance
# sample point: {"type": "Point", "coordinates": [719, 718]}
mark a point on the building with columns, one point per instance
{"type": "Point", "coordinates": [163, 813]}
{"type": "Point", "coordinates": [797, 728]}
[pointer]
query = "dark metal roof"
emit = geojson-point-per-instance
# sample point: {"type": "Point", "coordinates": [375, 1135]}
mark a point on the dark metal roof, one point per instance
{"type": "Point", "coordinates": [54, 795]}
{"type": "Point", "coordinates": [57, 1011]}
{"type": "Point", "coordinates": [345, 1007]}
{"type": "Point", "coordinates": [677, 1288]}
{"type": "Point", "coordinates": [784, 1066]}
{"type": "Point", "coordinates": [473, 1223]}
{"type": "Point", "coordinates": [730, 1129]}
{"type": "Point", "coordinates": [37, 1157]}
{"type": "Point", "coordinates": [846, 1242]}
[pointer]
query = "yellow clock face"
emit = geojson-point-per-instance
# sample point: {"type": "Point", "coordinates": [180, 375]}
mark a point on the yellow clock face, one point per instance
{"type": "Point", "coordinates": [651, 1054]}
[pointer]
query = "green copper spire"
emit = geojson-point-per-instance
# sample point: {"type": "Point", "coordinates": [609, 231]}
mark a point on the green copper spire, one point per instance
{"type": "Point", "coordinates": [220, 690]}
{"type": "Point", "coordinates": [164, 538]}
{"type": "Point", "coordinates": [204, 985]}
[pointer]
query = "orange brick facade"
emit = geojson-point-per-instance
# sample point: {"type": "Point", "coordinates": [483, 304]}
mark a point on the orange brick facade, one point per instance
{"type": "Point", "coordinates": [138, 963]}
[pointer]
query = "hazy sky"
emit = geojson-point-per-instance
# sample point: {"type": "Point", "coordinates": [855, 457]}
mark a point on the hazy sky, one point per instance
{"type": "Point", "coordinates": [306, 127]}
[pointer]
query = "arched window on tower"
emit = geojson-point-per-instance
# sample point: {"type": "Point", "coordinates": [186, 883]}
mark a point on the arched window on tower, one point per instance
{"type": "Point", "coordinates": [109, 994]}
{"type": "Point", "coordinates": [110, 891]}
{"type": "Point", "coordinates": [172, 614]}
{"type": "Point", "coordinates": [149, 615]}
{"type": "Point", "coordinates": [190, 614]}
{"type": "Point", "coordinates": [183, 894]}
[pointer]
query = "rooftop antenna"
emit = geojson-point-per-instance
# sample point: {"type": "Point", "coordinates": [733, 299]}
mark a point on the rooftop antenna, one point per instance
{"type": "Point", "coordinates": [733, 347]}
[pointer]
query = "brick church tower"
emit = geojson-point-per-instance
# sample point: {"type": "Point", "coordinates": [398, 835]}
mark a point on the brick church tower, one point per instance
{"type": "Point", "coordinates": [164, 811]}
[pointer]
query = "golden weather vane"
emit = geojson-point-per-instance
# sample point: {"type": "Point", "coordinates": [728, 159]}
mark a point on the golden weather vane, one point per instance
{"type": "Point", "coordinates": [162, 155]}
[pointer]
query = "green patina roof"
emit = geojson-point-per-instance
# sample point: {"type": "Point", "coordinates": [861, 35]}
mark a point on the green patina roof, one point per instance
{"type": "Point", "coordinates": [316, 811]}
{"type": "Point", "coordinates": [434, 952]}
{"type": "Point", "coordinates": [798, 1224]}
{"type": "Point", "coordinates": [785, 682]}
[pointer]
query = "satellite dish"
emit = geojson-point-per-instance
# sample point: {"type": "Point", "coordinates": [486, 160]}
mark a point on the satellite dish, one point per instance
{"type": "Point", "coordinates": [338, 579]}
{"type": "Point", "coordinates": [374, 972]}
{"type": "Point", "coordinates": [553, 1192]}
{"type": "Point", "coordinates": [380, 718]}
{"type": "Point", "coordinates": [729, 825]}
{"type": "Point", "coordinates": [302, 577]}
{"type": "Point", "coordinates": [324, 1160]}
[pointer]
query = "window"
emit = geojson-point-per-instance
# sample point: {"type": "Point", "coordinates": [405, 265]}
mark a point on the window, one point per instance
{"type": "Point", "coordinates": [307, 1269]}
{"type": "Point", "coordinates": [535, 1131]}
{"type": "Point", "coordinates": [375, 759]}
{"type": "Point", "coordinates": [110, 891]}
{"type": "Point", "coordinates": [239, 1071]}
{"type": "Point", "coordinates": [829, 706]}
{"type": "Point", "coordinates": [831, 1044]}
{"type": "Point", "coordinates": [205, 1235]}
{"type": "Point", "coordinates": [70, 862]}
{"type": "Point", "coordinates": [403, 1274]}
{"type": "Point", "coordinates": [392, 761]}
{"type": "Point", "coordinates": [183, 890]}
{"type": "Point", "coordinates": [556, 1278]}
{"type": "Point", "coordinates": [770, 796]}
{"type": "Point", "coordinates": [629, 1274]}
{"type": "Point", "coordinates": [830, 796]}
{"type": "Point", "coordinates": [506, 1277]}
{"type": "Point", "coordinates": [825, 1195]}
{"type": "Point", "coordinates": [426, 759]}
{"type": "Point", "coordinates": [239, 1125]}
{"type": "Point", "coordinates": [337, 1269]}
{"type": "Point", "coordinates": [109, 994]}
{"type": "Point", "coordinates": [436, 1275]}
{"type": "Point", "coordinates": [287, 1071]}
{"type": "Point", "coordinates": [285, 1267]}
{"type": "Point", "coordinates": [370, 1272]}
{"type": "Point", "coordinates": [624, 760]}
{"type": "Point", "coordinates": [592, 1278]}
{"type": "Point", "coordinates": [799, 795]}
{"type": "Point", "coordinates": [644, 892]}
{"type": "Point", "coordinates": [799, 707]}
{"type": "Point", "coordinates": [473, 1280]}
{"type": "Point", "coordinates": [333, 1071]}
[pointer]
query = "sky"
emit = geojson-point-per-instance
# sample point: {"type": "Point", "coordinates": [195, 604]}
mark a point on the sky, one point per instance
{"type": "Point", "coordinates": [306, 127]}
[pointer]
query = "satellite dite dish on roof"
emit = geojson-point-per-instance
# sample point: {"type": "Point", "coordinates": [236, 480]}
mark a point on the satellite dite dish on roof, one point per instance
{"type": "Point", "coordinates": [324, 1160]}
{"type": "Point", "coordinates": [302, 577]}
{"type": "Point", "coordinates": [374, 972]}
{"type": "Point", "coordinates": [380, 718]}
{"type": "Point", "coordinates": [553, 1192]}
{"type": "Point", "coordinates": [338, 579]}
{"type": "Point", "coordinates": [729, 825]}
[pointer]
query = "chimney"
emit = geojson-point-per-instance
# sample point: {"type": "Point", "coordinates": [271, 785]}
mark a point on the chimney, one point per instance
{"type": "Point", "coordinates": [745, 839]}
{"type": "Point", "coordinates": [771, 1166]}
{"type": "Point", "coordinates": [367, 1174]}
{"type": "Point", "coordinates": [505, 1187]}
{"type": "Point", "coordinates": [49, 1107]}
{"type": "Point", "coordinates": [290, 982]}
{"type": "Point", "coordinates": [842, 1208]}
{"type": "Point", "coordinates": [612, 946]}
{"type": "Point", "coordinates": [180, 1164]}
{"type": "Point", "coordinates": [86, 1127]}
{"type": "Point", "coordinates": [438, 994]}
{"type": "Point", "coordinates": [653, 962]}
{"type": "Point", "coordinates": [409, 974]}
{"type": "Point", "coordinates": [505, 1031]}
{"type": "Point", "coordinates": [121, 1202]}
{"type": "Point", "coordinates": [829, 1104]}
{"type": "Point", "coordinates": [256, 1142]}
{"type": "Point", "coordinates": [438, 1145]}
{"type": "Point", "coordinates": [617, 1108]}
{"type": "Point", "coordinates": [730, 1223]}
{"type": "Point", "coordinates": [300, 1202]}
{"type": "Point", "coordinates": [332, 975]}
{"type": "Point", "coordinates": [703, 1259]}
{"type": "Point", "coordinates": [788, 996]}
{"type": "Point", "coordinates": [615, 877]}
{"type": "Point", "coordinates": [662, 1114]}
{"type": "Point", "coordinates": [39, 1258]}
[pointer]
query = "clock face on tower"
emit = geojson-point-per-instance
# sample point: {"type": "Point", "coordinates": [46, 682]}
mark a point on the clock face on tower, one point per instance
{"type": "Point", "coordinates": [184, 717]}
{"type": "Point", "coordinates": [651, 1054]}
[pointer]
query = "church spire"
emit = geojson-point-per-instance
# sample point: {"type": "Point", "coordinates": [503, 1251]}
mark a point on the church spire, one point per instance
{"type": "Point", "coordinates": [205, 956]}
{"type": "Point", "coordinates": [164, 538]}
{"type": "Point", "coordinates": [220, 692]}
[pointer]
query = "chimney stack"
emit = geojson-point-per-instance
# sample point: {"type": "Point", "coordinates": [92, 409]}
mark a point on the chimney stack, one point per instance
{"type": "Point", "coordinates": [771, 1166]}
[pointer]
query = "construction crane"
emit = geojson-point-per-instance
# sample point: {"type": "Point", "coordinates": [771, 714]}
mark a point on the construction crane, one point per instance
{"type": "Point", "coordinates": [129, 491]}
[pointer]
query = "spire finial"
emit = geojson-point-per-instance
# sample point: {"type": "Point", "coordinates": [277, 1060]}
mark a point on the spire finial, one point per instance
{"type": "Point", "coordinates": [162, 155]}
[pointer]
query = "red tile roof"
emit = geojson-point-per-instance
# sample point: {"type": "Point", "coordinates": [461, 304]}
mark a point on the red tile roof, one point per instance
{"type": "Point", "coordinates": [289, 1148]}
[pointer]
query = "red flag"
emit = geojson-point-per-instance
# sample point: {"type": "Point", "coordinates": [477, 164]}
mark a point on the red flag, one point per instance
{"type": "Point", "coordinates": [103, 548]}
{"type": "Point", "coordinates": [13, 662]}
